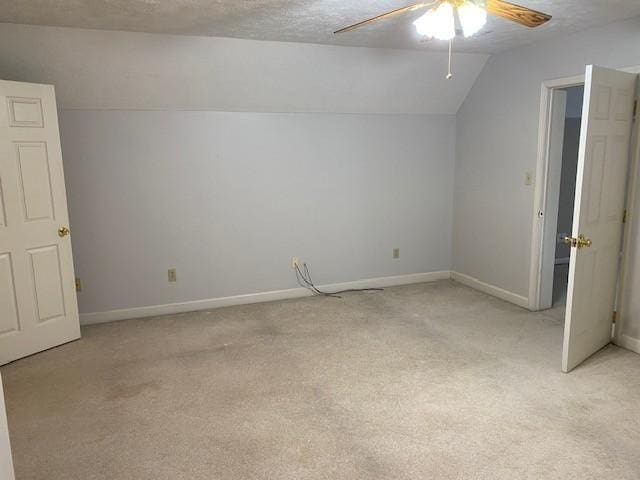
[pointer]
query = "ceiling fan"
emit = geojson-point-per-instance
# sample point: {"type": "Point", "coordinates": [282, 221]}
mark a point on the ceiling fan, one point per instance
{"type": "Point", "coordinates": [439, 21]}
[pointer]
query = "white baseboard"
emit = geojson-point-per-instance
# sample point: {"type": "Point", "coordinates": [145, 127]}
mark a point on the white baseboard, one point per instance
{"type": "Point", "coordinates": [628, 342]}
{"type": "Point", "coordinates": [491, 289]}
{"type": "Point", "coordinates": [211, 303]}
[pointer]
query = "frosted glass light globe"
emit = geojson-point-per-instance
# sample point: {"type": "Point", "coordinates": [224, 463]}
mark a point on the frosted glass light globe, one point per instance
{"type": "Point", "coordinates": [472, 18]}
{"type": "Point", "coordinates": [437, 23]}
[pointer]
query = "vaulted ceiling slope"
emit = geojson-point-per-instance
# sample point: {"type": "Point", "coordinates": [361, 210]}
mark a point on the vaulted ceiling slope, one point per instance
{"type": "Point", "coordinates": [307, 21]}
{"type": "Point", "coordinates": [94, 69]}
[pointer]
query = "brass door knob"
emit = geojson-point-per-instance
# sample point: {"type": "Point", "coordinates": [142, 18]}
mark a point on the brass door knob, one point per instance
{"type": "Point", "coordinates": [579, 242]}
{"type": "Point", "coordinates": [63, 232]}
{"type": "Point", "coordinates": [583, 241]}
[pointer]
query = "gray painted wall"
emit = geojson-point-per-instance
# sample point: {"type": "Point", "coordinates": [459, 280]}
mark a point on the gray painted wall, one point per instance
{"type": "Point", "coordinates": [162, 173]}
{"type": "Point", "coordinates": [228, 198]}
{"type": "Point", "coordinates": [496, 144]}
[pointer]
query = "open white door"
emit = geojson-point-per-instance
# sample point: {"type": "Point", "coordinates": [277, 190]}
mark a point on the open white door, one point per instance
{"type": "Point", "coordinates": [599, 205]}
{"type": "Point", "coordinates": [38, 307]}
{"type": "Point", "coordinates": [6, 462]}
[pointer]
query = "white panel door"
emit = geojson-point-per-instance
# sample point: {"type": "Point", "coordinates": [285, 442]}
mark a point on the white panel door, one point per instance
{"type": "Point", "coordinates": [38, 307]}
{"type": "Point", "coordinates": [600, 190]}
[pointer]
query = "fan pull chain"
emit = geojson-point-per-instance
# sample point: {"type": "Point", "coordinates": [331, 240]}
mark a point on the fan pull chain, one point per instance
{"type": "Point", "coordinates": [449, 74]}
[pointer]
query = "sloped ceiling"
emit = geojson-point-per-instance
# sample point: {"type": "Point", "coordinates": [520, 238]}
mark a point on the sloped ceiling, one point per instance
{"type": "Point", "coordinates": [94, 69]}
{"type": "Point", "coordinates": [307, 21]}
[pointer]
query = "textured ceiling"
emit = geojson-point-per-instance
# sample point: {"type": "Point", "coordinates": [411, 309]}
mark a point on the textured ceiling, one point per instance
{"type": "Point", "coordinates": [310, 21]}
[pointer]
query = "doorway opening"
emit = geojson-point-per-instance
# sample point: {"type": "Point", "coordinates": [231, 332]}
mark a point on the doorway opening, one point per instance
{"type": "Point", "coordinates": [566, 193]}
{"type": "Point", "coordinates": [561, 121]}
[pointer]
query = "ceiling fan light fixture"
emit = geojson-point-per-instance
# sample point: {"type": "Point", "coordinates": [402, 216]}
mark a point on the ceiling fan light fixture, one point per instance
{"type": "Point", "coordinates": [437, 23]}
{"type": "Point", "coordinates": [472, 17]}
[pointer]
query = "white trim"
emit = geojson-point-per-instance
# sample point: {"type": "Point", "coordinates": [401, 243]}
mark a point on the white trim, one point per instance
{"type": "Point", "coordinates": [551, 195]}
{"type": "Point", "coordinates": [6, 462]}
{"type": "Point", "coordinates": [211, 303]}
{"type": "Point", "coordinates": [625, 341]}
{"type": "Point", "coordinates": [501, 293]}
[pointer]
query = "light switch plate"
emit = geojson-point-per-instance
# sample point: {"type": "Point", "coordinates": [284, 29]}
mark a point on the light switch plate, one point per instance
{"type": "Point", "coordinates": [172, 275]}
{"type": "Point", "coordinates": [528, 178]}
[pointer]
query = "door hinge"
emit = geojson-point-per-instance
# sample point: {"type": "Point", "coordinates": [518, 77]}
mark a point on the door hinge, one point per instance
{"type": "Point", "coordinates": [624, 216]}
{"type": "Point", "coordinates": [614, 316]}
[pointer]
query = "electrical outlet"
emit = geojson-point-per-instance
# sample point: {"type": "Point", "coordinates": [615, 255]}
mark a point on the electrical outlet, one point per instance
{"type": "Point", "coordinates": [78, 284]}
{"type": "Point", "coordinates": [171, 275]}
{"type": "Point", "coordinates": [396, 253]}
{"type": "Point", "coordinates": [295, 262]}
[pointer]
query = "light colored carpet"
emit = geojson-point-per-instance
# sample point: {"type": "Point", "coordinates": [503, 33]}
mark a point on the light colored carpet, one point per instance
{"type": "Point", "coordinates": [428, 381]}
{"type": "Point", "coordinates": [560, 281]}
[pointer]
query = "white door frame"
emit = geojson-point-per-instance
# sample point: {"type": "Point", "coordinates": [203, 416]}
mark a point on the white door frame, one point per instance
{"type": "Point", "coordinates": [6, 462]}
{"type": "Point", "coordinates": [541, 185]}
{"type": "Point", "coordinates": [633, 191]}
{"type": "Point", "coordinates": [556, 134]}
{"type": "Point", "coordinates": [542, 180]}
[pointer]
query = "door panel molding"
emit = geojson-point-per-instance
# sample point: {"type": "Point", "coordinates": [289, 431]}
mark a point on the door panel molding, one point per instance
{"type": "Point", "coordinates": [35, 180]}
{"type": "Point", "coordinates": [9, 317]}
{"type": "Point", "coordinates": [46, 279]}
{"type": "Point", "coordinates": [3, 210]}
{"type": "Point", "coordinates": [25, 112]}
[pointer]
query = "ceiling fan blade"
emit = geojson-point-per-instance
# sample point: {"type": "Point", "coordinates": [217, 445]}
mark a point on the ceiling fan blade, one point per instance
{"type": "Point", "coordinates": [392, 13]}
{"type": "Point", "coordinates": [516, 13]}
